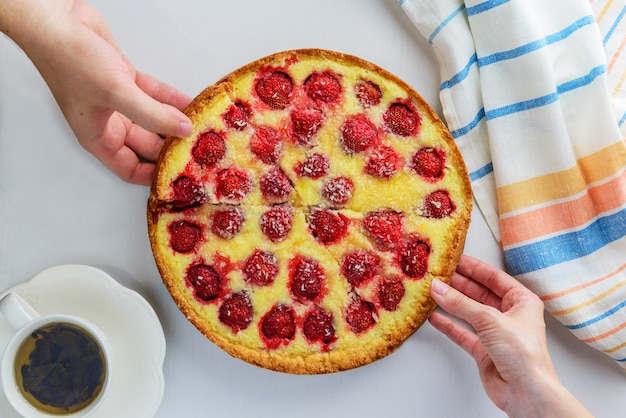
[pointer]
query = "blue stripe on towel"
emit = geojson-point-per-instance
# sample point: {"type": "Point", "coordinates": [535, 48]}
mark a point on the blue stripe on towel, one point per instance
{"type": "Point", "coordinates": [464, 130]}
{"type": "Point", "coordinates": [538, 44]}
{"type": "Point", "coordinates": [461, 75]}
{"type": "Point", "coordinates": [444, 23]}
{"type": "Point", "coordinates": [568, 246]}
{"type": "Point", "coordinates": [548, 98]}
{"type": "Point", "coordinates": [581, 81]}
{"type": "Point", "coordinates": [481, 172]}
{"type": "Point", "coordinates": [598, 318]}
{"type": "Point", "coordinates": [522, 106]}
{"type": "Point", "coordinates": [614, 26]}
{"type": "Point", "coordinates": [531, 103]}
{"type": "Point", "coordinates": [516, 52]}
{"type": "Point", "coordinates": [484, 6]}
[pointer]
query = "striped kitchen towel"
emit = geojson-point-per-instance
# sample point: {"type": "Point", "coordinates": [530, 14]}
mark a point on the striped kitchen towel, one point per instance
{"type": "Point", "coordinates": [533, 92]}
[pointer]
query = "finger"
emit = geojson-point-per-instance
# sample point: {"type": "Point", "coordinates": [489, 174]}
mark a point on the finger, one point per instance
{"type": "Point", "coordinates": [140, 174]}
{"type": "Point", "coordinates": [461, 306]}
{"type": "Point", "coordinates": [475, 290]}
{"type": "Point", "coordinates": [149, 113]}
{"type": "Point", "coordinates": [124, 162]}
{"type": "Point", "coordinates": [489, 276]}
{"type": "Point", "coordinates": [161, 92]}
{"type": "Point", "coordinates": [461, 336]}
{"type": "Point", "coordinates": [145, 144]}
{"type": "Point", "coordinates": [129, 168]}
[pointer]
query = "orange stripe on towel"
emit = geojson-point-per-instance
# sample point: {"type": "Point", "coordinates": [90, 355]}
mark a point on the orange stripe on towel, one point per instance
{"type": "Point", "coordinates": [590, 301]}
{"type": "Point", "coordinates": [561, 185]}
{"type": "Point", "coordinates": [564, 215]}
{"type": "Point", "coordinates": [616, 55]}
{"type": "Point", "coordinates": [583, 286]}
{"type": "Point", "coordinates": [605, 335]}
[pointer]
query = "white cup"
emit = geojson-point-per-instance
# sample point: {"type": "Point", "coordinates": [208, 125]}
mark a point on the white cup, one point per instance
{"type": "Point", "coordinates": [26, 321]}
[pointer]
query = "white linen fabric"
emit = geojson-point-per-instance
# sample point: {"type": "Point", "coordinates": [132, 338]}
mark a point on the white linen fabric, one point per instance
{"type": "Point", "coordinates": [533, 93]}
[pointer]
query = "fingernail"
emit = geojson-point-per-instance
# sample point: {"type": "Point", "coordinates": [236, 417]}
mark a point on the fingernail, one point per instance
{"type": "Point", "coordinates": [439, 287]}
{"type": "Point", "coordinates": [184, 129]}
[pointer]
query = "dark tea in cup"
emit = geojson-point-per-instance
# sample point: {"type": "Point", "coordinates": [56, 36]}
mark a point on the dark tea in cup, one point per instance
{"type": "Point", "coordinates": [60, 368]}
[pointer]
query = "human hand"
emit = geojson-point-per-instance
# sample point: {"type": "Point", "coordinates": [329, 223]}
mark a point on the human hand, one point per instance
{"type": "Point", "coordinates": [114, 110]}
{"type": "Point", "coordinates": [508, 341]}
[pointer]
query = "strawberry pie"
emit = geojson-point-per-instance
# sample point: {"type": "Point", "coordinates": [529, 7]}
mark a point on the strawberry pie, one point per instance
{"type": "Point", "coordinates": [300, 226]}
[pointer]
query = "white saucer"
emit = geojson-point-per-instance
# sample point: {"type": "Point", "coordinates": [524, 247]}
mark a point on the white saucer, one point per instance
{"type": "Point", "coordinates": [129, 322]}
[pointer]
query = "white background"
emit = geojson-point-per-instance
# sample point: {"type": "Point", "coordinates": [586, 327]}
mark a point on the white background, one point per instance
{"type": "Point", "coordinates": [58, 205]}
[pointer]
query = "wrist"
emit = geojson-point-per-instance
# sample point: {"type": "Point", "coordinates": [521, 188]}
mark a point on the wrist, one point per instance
{"type": "Point", "coordinates": [546, 397]}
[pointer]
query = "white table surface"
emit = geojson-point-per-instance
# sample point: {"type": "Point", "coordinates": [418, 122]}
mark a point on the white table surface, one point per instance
{"type": "Point", "coordinates": [58, 205]}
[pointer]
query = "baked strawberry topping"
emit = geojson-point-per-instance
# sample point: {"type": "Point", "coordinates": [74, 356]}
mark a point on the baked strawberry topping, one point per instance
{"type": "Point", "coordinates": [237, 116]}
{"type": "Point", "coordinates": [274, 89]}
{"type": "Point", "coordinates": [358, 133]}
{"type": "Point", "coordinates": [361, 315]}
{"type": "Point", "coordinates": [266, 144]}
{"type": "Point", "coordinates": [360, 266]}
{"type": "Point", "coordinates": [184, 236]}
{"type": "Point", "coordinates": [327, 226]}
{"type": "Point", "coordinates": [319, 327]}
{"type": "Point", "coordinates": [323, 87]}
{"type": "Point", "coordinates": [338, 190]}
{"type": "Point", "coordinates": [384, 227]}
{"type": "Point", "coordinates": [275, 186]}
{"type": "Point", "coordinates": [413, 258]}
{"type": "Point", "coordinates": [438, 204]}
{"type": "Point", "coordinates": [402, 119]}
{"type": "Point", "coordinates": [278, 326]}
{"type": "Point", "coordinates": [306, 278]}
{"type": "Point", "coordinates": [261, 268]}
{"type": "Point", "coordinates": [187, 193]}
{"type": "Point", "coordinates": [232, 184]}
{"type": "Point", "coordinates": [368, 93]}
{"type": "Point", "coordinates": [315, 166]}
{"type": "Point", "coordinates": [205, 282]}
{"type": "Point", "coordinates": [236, 311]}
{"type": "Point", "coordinates": [209, 149]}
{"type": "Point", "coordinates": [390, 293]}
{"type": "Point", "coordinates": [276, 222]}
{"type": "Point", "coordinates": [226, 223]}
{"type": "Point", "coordinates": [305, 124]}
{"type": "Point", "coordinates": [383, 163]}
{"type": "Point", "coordinates": [429, 163]}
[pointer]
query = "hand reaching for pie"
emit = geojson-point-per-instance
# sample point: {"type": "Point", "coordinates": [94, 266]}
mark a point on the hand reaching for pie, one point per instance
{"type": "Point", "coordinates": [508, 342]}
{"type": "Point", "coordinates": [114, 110]}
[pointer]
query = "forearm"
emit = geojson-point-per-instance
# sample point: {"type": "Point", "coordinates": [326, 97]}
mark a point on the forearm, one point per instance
{"type": "Point", "coordinates": [29, 22]}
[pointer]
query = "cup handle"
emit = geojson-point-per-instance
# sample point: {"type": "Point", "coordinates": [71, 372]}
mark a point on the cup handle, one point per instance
{"type": "Point", "coordinates": [16, 311]}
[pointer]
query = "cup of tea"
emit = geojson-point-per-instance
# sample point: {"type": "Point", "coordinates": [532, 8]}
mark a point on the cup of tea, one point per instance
{"type": "Point", "coordinates": [53, 364]}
